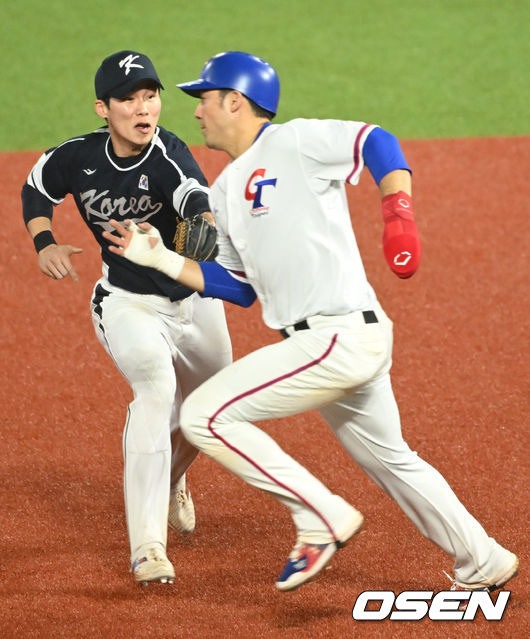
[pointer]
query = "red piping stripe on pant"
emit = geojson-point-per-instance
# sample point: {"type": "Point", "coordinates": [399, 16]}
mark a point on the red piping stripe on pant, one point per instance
{"type": "Point", "coordinates": [250, 461]}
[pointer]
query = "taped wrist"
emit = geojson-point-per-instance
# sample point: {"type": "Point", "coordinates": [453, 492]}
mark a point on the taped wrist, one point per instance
{"type": "Point", "coordinates": [158, 256]}
{"type": "Point", "coordinates": [170, 263]}
{"type": "Point", "coordinates": [401, 242]}
{"type": "Point", "coordinates": [42, 240]}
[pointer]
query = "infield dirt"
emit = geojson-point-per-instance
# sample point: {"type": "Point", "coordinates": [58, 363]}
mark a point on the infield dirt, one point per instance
{"type": "Point", "coordinates": [460, 375]}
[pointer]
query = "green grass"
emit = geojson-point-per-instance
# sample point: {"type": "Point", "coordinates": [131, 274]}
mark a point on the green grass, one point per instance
{"type": "Point", "coordinates": [431, 69]}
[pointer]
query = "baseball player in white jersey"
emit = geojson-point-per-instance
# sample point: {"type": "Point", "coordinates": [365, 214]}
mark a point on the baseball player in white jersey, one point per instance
{"type": "Point", "coordinates": [163, 337]}
{"type": "Point", "coordinates": [285, 236]}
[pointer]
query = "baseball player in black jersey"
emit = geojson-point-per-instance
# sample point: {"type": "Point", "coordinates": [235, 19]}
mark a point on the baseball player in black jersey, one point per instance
{"type": "Point", "coordinates": [163, 337]}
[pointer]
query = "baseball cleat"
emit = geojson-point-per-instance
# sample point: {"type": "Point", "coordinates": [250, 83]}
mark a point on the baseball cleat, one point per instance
{"type": "Point", "coordinates": [153, 566]}
{"type": "Point", "coordinates": [307, 560]}
{"type": "Point", "coordinates": [181, 513]}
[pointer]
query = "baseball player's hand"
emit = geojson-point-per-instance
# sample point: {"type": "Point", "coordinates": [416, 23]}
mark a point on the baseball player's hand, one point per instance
{"type": "Point", "coordinates": [54, 261]}
{"type": "Point", "coordinates": [196, 238]}
{"type": "Point", "coordinates": [142, 244]}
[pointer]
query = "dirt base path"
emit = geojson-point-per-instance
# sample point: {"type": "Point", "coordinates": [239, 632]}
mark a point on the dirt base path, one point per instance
{"type": "Point", "coordinates": [461, 372]}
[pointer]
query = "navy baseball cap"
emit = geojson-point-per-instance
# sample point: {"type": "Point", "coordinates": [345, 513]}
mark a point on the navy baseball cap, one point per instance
{"type": "Point", "coordinates": [120, 72]}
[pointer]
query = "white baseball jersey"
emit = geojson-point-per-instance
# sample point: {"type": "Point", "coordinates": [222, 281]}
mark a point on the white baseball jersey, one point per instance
{"type": "Point", "coordinates": [283, 220]}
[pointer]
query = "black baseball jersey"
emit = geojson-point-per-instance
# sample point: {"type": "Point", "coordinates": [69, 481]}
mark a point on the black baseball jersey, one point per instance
{"type": "Point", "coordinates": [161, 186]}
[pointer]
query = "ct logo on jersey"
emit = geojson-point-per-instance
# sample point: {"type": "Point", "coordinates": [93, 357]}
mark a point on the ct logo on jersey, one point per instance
{"type": "Point", "coordinates": [254, 191]}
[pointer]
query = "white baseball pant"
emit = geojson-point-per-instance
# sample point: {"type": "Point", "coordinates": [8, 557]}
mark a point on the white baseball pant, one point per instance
{"type": "Point", "coordinates": [164, 350]}
{"type": "Point", "coordinates": [340, 366]}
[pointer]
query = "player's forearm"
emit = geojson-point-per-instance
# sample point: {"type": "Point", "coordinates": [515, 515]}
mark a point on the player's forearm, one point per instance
{"type": "Point", "coordinates": [191, 275]}
{"type": "Point", "coordinates": [226, 285]}
{"type": "Point", "coordinates": [401, 241]}
{"type": "Point", "coordinates": [394, 182]}
{"type": "Point", "coordinates": [35, 207]}
{"type": "Point", "coordinates": [143, 245]}
{"type": "Point", "coordinates": [208, 278]}
{"type": "Point", "coordinates": [385, 160]}
{"type": "Point", "coordinates": [37, 212]}
{"type": "Point", "coordinates": [40, 231]}
{"type": "Point", "coordinates": [143, 249]}
{"type": "Point", "coordinates": [39, 224]}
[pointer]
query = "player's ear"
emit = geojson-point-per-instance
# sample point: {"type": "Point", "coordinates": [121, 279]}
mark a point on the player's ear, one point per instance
{"type": "Point", "coordinates": [236, 100]}
{"type": "Point", "coordinates": [101, 109]}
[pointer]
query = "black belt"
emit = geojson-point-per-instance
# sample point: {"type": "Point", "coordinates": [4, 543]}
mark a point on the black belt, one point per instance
{"type": "Point", "coordinates": [369, 318]}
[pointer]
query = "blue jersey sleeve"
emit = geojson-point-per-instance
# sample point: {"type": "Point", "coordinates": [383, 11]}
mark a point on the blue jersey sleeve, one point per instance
{"type": "Point", "coordinates": [218, 282]}
{"type": "Point", "coordinates": [382, 154]}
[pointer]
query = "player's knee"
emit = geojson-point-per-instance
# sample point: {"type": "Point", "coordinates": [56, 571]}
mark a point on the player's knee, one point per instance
{"type": "Point", "coordinates": [194, 420]}
{"type": "Point", "coordinates": [156, 391]}
{"type": "Point", "coordinates": [142, 368]}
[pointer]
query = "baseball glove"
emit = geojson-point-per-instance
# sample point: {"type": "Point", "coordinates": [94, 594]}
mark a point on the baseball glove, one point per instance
{"type": "Point", "coordinates": [196, 238]}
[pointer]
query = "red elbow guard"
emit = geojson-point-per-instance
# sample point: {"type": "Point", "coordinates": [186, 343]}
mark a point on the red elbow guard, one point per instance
{"type": "Point", "coordinates": [401, 242]}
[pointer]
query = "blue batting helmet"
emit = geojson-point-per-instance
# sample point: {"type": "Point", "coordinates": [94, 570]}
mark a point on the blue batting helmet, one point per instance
{"type": "Point", "coordinates": [253, 77]}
